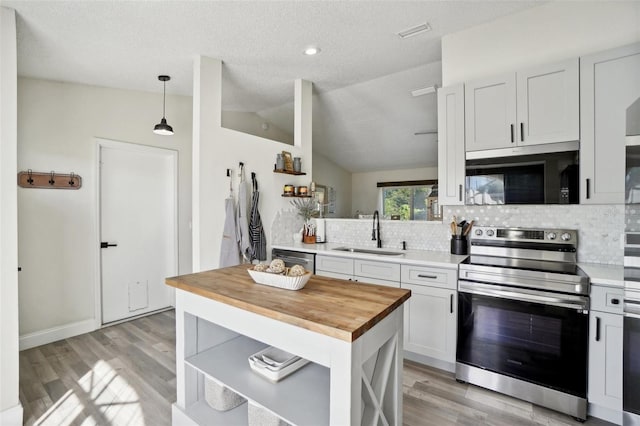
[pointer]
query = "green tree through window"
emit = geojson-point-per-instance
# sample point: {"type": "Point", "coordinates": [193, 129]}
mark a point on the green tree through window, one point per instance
{"type": "Point", "coordinates": [408, 202]}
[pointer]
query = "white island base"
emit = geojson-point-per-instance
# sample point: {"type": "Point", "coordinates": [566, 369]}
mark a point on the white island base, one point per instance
{"type": "Point", "coordinates": [346, 383]}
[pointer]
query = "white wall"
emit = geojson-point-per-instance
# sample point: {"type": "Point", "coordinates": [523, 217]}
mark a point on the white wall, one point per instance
{"type": "Point", "coordinates": [329, 174]}
{"type": "Point", "coordinates": [364, 188]}
{"type": "Point", "coordinates": [548, 33]}
{"type": "Point", "coordinates": [252, 123]}
{"type": "Point", "coordinates": [10, 408]}
{"type": "Point", "coordinates": [57, 229]}
{"type": "Point", "coordinates": [216, 149]}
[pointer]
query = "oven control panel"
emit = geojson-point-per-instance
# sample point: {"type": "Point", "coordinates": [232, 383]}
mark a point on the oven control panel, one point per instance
{"type": "Point", "coordinates": [556, 236]}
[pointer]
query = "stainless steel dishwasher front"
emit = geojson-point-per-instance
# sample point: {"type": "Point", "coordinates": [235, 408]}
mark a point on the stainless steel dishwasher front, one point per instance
{"type": "Point", "coordinates": [291, 257]}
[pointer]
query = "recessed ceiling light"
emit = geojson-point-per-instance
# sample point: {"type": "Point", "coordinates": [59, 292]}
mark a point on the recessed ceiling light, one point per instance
{"type": "Point", "coordinates": [311, 50]}
{"type": "Point", "coordinates": [418, 29]}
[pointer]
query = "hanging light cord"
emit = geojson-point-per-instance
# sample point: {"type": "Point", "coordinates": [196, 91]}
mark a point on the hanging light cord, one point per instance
{"type": "Point", "coordinates": [164, 96]}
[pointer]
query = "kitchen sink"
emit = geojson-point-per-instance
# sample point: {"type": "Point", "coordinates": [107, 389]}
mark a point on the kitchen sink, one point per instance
{"type": "Point", "coordinates": [369, 251]}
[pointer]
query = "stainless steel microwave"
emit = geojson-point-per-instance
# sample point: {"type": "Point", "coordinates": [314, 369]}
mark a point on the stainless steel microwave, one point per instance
{"type": "Point", "coordinates": [551, 178]}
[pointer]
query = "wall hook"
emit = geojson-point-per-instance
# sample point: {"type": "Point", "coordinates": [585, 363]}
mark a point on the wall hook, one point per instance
{"type": "Point", "coordinates": [49, 180]}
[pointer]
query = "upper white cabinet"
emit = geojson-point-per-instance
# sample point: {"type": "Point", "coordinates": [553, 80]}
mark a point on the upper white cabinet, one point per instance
{"type": "Point", "coordinates": [609, 84]}
{"type": "Point", "coordinates": [534, 106]}
{"type": "Point", "coordinates": [451, 160]}
{"type": "Point", "coordinates": [490, 113]}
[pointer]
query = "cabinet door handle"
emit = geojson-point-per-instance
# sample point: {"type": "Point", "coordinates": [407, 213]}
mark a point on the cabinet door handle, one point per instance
{"type": "Point", "coordinates": [588, 188]}
{"type": "Point", "coordinates": [512, 137]}
{"type": "Point", "coordinates": [522, 132]}
{"type": "Point", "coordinates": [451, 303]}
{"type": "Point", "coordinates": [431, 277]}
{"type": "Point", "coordinates": [597, 329]}
{"type": "Point", "coordinates": [460, 192]}
{"type": "Point", "coordinates": [615, 301]}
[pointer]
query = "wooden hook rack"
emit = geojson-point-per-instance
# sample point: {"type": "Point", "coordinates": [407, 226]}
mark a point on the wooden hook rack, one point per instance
{"type": "Point", "coordinates": [49, 180]}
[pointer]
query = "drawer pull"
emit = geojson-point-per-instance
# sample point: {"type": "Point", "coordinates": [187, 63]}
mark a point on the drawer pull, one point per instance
{"type": "Point", "coordinates": [431, 277]}
{"type": "Point", "coordinates": [615, 301]}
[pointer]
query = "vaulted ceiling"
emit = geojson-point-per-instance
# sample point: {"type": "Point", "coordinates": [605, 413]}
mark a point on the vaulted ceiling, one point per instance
{"type": "Point", "coordinates": [364, 116]}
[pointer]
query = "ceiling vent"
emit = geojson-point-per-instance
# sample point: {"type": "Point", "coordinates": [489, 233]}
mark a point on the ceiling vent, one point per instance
{"type": "Point", "coordinates": [413, 31]}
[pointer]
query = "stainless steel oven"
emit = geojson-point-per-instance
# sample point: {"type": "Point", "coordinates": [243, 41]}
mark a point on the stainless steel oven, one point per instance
{"type": "Point", "coordinates": [523, 317]}
{"type": "Point", "coordinates": [631, 329]}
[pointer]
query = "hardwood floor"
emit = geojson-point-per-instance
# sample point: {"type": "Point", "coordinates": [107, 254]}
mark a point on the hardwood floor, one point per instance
{"type": "Point", "coordinates": [125, 375]}
{"type": "Point", "coordinates": [119, 375]}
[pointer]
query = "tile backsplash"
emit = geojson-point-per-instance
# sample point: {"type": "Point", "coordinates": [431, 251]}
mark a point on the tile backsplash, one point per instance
{"type": "Point", "coordinates": [600, 228]}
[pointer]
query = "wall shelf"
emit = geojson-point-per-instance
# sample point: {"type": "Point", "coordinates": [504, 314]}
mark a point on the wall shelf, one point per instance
{"type": "Point", "coordinates": [289, 172]}
{"type": "Point", "coordinates": [296, 196]}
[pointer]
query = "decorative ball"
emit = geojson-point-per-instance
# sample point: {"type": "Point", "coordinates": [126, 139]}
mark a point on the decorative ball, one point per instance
{"type": "Point", "coordinates": [277, 266]}
{"type": "Point", "coordinates": [296, 271]}
{"type": "Point", "coordinates": [260, 267]}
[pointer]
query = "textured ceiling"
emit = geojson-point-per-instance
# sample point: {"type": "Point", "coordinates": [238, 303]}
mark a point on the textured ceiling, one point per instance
{"type": "Point", "coordinates": [126, 44]}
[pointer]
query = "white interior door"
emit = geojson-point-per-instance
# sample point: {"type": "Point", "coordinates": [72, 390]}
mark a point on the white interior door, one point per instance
{"type": "Point", "coordinates": [137, 228]}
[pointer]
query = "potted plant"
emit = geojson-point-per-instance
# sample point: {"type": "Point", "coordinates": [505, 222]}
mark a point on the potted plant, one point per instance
{"type": "Point", "coordinates": [307, 208]}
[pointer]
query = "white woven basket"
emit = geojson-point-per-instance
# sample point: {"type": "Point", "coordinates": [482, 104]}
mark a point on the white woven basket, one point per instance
{"type": "Point", "coordinates": [281, 281]}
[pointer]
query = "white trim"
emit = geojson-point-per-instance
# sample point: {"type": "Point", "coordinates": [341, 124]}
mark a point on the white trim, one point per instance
{"type": "Point", "coordinates": [11, 416]}
{"type": "Point", "coordinates": [128, 146]}
{"type": "Point", "coordinates": [54, 334]}
{"type": "Point", "coordinates": [605, 413]}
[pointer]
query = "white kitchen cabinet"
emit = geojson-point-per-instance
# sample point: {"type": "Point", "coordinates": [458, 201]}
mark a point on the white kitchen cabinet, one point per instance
{"type": "Point", "coordinates": [431, 314]}
{"type": "Point", "coordinates": [334, 264]}
{"type": "Point", "coordinates": [451, 157]}
{"type": "Point", "coordinates": [533, 106]}
{"type": "Point", "coordinates": [363, 271]}
{"type": "Point", "coordinates": [490, 112]}
{"type": "Point", "coordinates": [430, 322]}
{"type": "Point", "coordinates": [605, 353]}
{"type": "Point", "coordinates": [609, 84]}
{"type": "Point", "coordinates": [548, 103]}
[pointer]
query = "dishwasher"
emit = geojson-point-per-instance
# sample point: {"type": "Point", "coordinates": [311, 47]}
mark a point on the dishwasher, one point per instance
{"type": "Point", "coordinates": [291, 257]}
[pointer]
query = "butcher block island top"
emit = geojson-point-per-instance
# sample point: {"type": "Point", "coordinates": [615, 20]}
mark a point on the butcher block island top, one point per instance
{"type": "Point", "coordinates": [337, 308]}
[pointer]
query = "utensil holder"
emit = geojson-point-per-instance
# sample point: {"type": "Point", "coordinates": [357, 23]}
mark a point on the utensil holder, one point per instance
{"type": "Point", "coordinates": [459, 245]}
{"type": "Point", "coordinates": [309, 239]}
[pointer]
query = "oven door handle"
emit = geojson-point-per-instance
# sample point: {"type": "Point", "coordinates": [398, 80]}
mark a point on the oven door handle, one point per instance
{"type": "Point", "coordinates": [505, 293]}
{"type": "Point", "coordinates": [632, 308]}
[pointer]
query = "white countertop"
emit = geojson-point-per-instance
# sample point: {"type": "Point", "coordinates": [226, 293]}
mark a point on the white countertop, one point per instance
{"type": "Point", "coordinates": [414, 257]}
{"type": "Point", "coordinates": [605, 275]}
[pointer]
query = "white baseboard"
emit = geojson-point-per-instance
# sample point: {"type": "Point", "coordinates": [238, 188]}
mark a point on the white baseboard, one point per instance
{"type": "Point", "coordinates": [431, 362]}
{"type": "Point", "coordinates": [605, 413]}
{"type": "Point", "coordinates": [54, 334]}
{"type": "Point", "coordinates": [11, 416]}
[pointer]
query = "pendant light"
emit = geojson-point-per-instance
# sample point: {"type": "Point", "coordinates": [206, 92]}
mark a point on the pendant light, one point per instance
{"type": "Point", "coordinates": [163, 128]}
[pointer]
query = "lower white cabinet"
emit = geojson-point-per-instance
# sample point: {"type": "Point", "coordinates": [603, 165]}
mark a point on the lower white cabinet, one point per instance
{"type": "Point", "coordinates": [605, 351]}
{"type": "Point", "coordinates": [362, 271]}
{"type": "Point", "coordinates": [431, 314]}
{"type": "Point", "coordinates": [430, 325]}
{"type": "Point", "coordinates": [430, 322]}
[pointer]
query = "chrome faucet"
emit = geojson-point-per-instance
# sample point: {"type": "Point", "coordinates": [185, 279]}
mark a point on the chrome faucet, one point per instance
{"type": "Point", "coordinates": [375, 234]}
